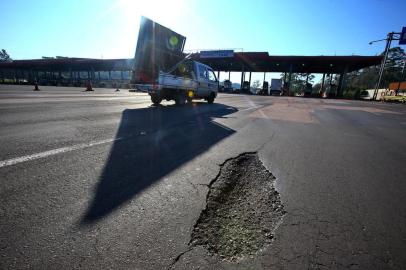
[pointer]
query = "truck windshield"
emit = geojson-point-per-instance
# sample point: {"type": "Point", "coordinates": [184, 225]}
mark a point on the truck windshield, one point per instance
{"type": "Point", "coordinates": [203, 72]}
{"type": "Point", "coordinates": [211, 75]}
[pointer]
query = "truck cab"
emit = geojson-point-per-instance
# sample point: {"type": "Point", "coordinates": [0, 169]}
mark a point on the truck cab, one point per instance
{"type": "Point", "coordinates": [207, 81]}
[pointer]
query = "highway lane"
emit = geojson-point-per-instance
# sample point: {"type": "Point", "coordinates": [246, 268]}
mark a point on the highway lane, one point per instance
{"type": "Point", "coordinates": [105, 180]}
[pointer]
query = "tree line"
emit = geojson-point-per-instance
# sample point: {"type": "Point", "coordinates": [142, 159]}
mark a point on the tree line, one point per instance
{"type": "Point", "coordinates": [358, 80]}
{"type": "Point", "coordinates": [4, 56]}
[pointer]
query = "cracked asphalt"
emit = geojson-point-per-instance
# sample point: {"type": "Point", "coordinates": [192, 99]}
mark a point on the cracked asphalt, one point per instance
{"type": "Point", "coordinates": [104, 180]}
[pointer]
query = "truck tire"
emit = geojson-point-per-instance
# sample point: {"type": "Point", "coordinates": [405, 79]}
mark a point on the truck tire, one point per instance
{"type": "Point", "coordinates": [156, 99]}
{"type": "Point", "coordinates": [180, 99]}
{"type": "Point", "coordinates": [210, 99]}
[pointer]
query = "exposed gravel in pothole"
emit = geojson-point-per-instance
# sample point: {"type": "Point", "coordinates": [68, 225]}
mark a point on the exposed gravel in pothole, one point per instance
{"type": "Point", "coordinates": [243, 209]}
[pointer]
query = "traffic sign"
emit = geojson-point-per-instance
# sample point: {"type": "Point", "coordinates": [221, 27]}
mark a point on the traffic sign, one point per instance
{"type": "Point", "coordinates": [217, 54]}
{"type": "Point", "coordinates": [402, 40]}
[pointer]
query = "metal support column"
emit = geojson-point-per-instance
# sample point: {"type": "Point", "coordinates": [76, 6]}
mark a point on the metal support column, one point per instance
{"type": "Point", "coordinates": [339, 87]}
{"type": "Point", "coordinates": [330, 93]}
{"type": "Point", "coordinates": [264, 78]}
{"type": "Point", "coordinates": [289, 78]}
{"type": "Point", "coordinates": [242, 77]}
{"type": "Point", "coordinates": [322, 85]}
{"type": "Point", "coordinates": [341, 83]}
{"type": "Point", "coordinates": [229, 73]}
{"type": "Point", "coordinates": [249, 82]}
{"type": "Point", "coordinates": [218, 75]}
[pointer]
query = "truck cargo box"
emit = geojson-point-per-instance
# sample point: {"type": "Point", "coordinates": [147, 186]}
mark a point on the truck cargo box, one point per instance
{"type": "Point", "coordinates": [158, 49]}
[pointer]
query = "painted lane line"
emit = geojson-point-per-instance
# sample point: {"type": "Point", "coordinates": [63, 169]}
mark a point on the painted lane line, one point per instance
{"type": "Point", "coordinates": [250, 108]}
{"type": "Point", "coordinates": [14, 161]}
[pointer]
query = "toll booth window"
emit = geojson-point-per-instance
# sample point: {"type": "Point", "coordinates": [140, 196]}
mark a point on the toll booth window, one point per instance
{"type": "Point", "coordinates": [84, 75]}
{"type": "Point", "coordinates": [115, 75]}
{"type": "Point", "coordinates": [42, 75]}
{"type": "Point", "coordinates": [126, 75]}
{"type": "Point", "coordinates": [65, 75]}
{"type": "Point", "coordinates": [104, 75]}
{"type": "Point", "coordinates": [211, 75]}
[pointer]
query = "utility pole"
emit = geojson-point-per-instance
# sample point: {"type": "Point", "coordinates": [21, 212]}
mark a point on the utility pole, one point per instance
{"type": "Point", "coordinates": [391, 36]}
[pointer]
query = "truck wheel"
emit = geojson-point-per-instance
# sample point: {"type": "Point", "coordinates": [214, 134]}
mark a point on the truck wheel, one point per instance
{"type": "Point", "coordinates": [180, 99]}
{"type": "Point", "coordinates": [156, 99]}
{"type": "Point", "coordinates": [210, 99]}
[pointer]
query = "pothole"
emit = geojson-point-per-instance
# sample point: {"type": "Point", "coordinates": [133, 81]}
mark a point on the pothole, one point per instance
{"type": "Point", "coordinates": [243, 210]}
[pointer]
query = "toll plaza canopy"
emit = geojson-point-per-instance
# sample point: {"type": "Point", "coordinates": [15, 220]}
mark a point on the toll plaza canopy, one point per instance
{"type": "Point", "coordinates": [263, 62]}
{"type": "Point", "coordinates": [74, 71]}
{"type": "Point", "coordinates": [241, 61]}
{"type": "Point", "coordinates": [66, 64]}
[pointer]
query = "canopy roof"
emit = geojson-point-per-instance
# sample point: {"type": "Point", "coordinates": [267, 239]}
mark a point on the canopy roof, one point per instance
{"type": "Point", "coordinates": [241, 61]}
{"type": "Point", "coordinates": [74, 64]}
{"type": "Point", "coordinates": [263, 62]}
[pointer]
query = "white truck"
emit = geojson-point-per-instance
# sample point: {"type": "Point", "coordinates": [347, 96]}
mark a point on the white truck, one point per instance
{"type": "Point", "coordinates": [188, 80]}
{"type": "Point", "coordinates": [165, 72]}
{"type": "Point", "coordinates": [276, 87]}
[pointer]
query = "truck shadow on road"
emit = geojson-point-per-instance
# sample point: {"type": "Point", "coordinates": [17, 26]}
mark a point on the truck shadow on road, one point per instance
{"type": "Point", "coordinates": [154, 141]}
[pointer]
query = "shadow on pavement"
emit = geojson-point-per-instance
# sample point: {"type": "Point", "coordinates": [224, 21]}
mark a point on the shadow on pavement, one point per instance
{"type": "Point", "coordinates": [154, 141]}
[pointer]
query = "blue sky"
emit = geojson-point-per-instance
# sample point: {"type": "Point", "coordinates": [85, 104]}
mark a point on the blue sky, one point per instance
{"type": "Point", "coordinates": [108, 29]}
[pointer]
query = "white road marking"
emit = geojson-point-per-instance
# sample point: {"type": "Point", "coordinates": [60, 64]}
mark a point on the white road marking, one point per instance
{"type": "Point", "coordinates": [14, 161]}
{"type": "Point", "coordinates": [43, 100]}
{"type": "Point", "coordinates": [250, 108]}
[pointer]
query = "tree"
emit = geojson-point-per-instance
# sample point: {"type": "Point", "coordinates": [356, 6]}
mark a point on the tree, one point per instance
{"type": "Point", "coordinates": [4, 56]}
{"type": "Point", "coordinates": [298, 81]}
{"type": "Point", "coordinates": [367, 77]}
{"type": "Point", "coordinates": [317, 87]}
{"type": "Point", "coordinates": [393, 66]}
{"type": "Point", "coordinates": [256, 84]}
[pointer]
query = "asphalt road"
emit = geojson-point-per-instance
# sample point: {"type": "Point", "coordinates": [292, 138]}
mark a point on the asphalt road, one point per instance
{"type": "Point", "coordinates": [99, 180]}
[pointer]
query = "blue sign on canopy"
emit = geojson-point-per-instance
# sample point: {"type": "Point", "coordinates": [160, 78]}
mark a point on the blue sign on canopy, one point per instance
{"type": "Point", "coordinates": [402, 40]}
{"type": "Point", "coordinates": [217, 54]}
